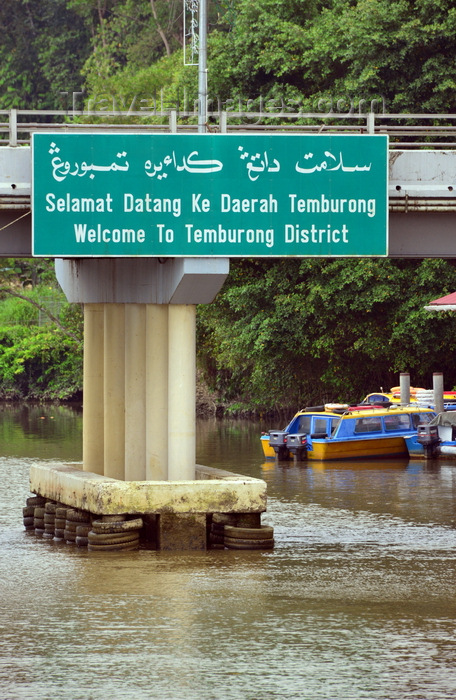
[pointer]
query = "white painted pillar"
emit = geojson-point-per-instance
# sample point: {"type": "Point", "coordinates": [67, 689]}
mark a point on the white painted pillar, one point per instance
{"type": "Point", "coordinates": [114, 391]}
{"type": "Point", "coordinates": [156, 392]}
{"type": "Point", "coordinates": [437, 381]}
{"type": "Point", "coordinates": [404, 383]}
{"type": "Point", "coordinates": [93, 405]}
{"type": "Point", "coordinates": [181, 392]}
{"type": "Point", "coordinates": [135, 392]}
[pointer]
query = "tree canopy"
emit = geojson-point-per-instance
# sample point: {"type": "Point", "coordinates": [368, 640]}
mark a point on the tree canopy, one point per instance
{"type": "Point", "coordinates": [43, 49]}
{"type": "Point", "coordinates": [281, 331]}
{"type": "Point", "coordinates": [317, 55]}
{"type": "Point", "coordinates": [40, 334]}
{"type": "Point", "coordinates": [287, 332]}
{"type": "Point", "coordinates": [328, 51]}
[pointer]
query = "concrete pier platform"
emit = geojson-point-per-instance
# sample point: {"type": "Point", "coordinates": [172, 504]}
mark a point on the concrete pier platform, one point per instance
{"type": "Point", "coordinates": [181, 510]}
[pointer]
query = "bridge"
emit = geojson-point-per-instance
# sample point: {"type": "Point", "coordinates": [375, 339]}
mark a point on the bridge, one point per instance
{"type": "Point", "coordinates": [422, 164]}
{"type": "Point", "coordinates": [139, 317]}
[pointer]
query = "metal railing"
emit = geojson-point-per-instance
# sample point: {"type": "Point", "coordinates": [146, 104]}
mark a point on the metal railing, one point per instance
{"type": "Point", "coordinates": [435, 131]}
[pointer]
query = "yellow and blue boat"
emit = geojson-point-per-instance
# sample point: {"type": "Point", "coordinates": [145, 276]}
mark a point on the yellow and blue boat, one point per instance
{"type": "Point", "coordinates": [334, 432]}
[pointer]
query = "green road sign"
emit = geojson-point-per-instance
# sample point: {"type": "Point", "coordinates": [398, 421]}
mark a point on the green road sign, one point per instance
{"type": "Point", "coordinates": [230, 195]}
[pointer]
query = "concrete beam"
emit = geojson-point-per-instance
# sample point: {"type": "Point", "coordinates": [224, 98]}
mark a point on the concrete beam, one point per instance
{"type": "Point", "coordinates": [213, 491]}
{"type": "Point", "coordinates": [422, 174]}
{"type": "Point", "coordinates": [422, 234]}
{"type": "Point", "coordinates": [142, 280]}
{"type": "Point", "coordinates": [15, 172]}
{"type": "Point", "coordinates": [187, 278]}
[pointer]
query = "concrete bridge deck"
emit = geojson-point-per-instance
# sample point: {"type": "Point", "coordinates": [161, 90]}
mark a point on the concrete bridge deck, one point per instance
{"type": "Point", "coordinates": [422, 171]}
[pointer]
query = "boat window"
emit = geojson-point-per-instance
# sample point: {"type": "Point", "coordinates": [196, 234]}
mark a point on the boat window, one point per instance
{"type": "Point", "coordinates": [418, 418]}
{"type": "Point", "coordinates": [398, 421]}
{"type": "Point", "coordinates": [377, 398]}
{"type": "Point", "coordinates": [371, 424]}
{"type": "Point", "coordinates": [320, 425]}
{"type": "Point", "coordinates": [304, 424]}
{"type": "Point", "coordinates": [334, 425]}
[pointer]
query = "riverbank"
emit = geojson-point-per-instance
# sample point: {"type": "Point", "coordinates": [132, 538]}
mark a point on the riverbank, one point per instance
{"type": "Point", "coordinates": [208, 403]}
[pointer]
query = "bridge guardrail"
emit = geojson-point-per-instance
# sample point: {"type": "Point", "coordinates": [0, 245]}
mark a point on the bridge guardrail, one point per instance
{"type": "Point", "coordinates": [405, 130]}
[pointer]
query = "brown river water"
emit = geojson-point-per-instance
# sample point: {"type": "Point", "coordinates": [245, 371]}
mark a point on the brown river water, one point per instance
{"type": "Point", "coordinates": [357, 600]}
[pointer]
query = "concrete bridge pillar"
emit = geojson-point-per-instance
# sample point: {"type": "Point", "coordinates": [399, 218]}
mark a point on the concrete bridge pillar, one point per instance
{"type": "Point", "coordinates": [93, 407]}
{"type": "Point", "coordinates": [114, 390]}
{"type": "Point", "coordinates": [139, 361]}
{"type": "Point", "coordinates": [135, 392]}
{"type": "Point", "coordinates": [157, 392]}
{"type": "Point", "coordinates": [181, 393]}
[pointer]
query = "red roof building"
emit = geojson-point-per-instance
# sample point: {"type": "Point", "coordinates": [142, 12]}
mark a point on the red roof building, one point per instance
{"type": "Point", "coordinates": [447, 303]}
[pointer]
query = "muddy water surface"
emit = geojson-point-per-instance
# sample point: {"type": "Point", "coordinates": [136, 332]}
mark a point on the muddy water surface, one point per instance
{"type": "Point", "coordinates": [357, 600]}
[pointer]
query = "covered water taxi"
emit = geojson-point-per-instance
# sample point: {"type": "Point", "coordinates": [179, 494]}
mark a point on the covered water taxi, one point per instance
{"type": "Point", "coordinates": [329, 433]}
{"type": "Point", "coordinates": [434, 439]}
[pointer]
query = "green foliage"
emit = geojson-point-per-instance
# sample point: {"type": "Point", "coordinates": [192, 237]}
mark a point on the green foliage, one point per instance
{"type": "Point", "coordinates": [286, 333]}
{"type": "Point", "coordinates": [21, 306]}
{"type": "Point", "coordinates": [340, 50]}
{"type": "Point", "coordinates": [38, 363]}
{"type": "Point", "coordinates": [266, 41]}
{"type": "Point", "coordinates": [145, 89]}
{"type": "Point", "coordinates": [14, 311]}
{"type": "Point", "coordinates": [44, 44]}
{"type": "Point", "coordinates": [130, 40]}
{"type": "Point", "coordinates": [313, 53]}
{"type": "Point", "coordinates": [28, 271]}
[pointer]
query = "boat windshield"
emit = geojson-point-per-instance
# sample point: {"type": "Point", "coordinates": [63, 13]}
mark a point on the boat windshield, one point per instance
{"type": "Point", "coordinates": [304, 424]}
{"type": "Point", "coordinates": [376, 399]}
{"type": "Point", "coordinates": [418, 418]}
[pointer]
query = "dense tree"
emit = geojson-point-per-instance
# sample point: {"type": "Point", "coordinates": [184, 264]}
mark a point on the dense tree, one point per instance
{"type": "Point", "coordinates": [128, 33]}
{"type": "Point", "coordinates": [44, 45]}
{"type": "Point", "coordinates": [137, 53]}
{"type": "Point", "coordinates": [318, 53]}
{"type": "Point", "coordinates": [41, 334]}
{"type": "Point", "coordinates": [290, 332]}
{"type": "Point", "coordinates": [315, 55]}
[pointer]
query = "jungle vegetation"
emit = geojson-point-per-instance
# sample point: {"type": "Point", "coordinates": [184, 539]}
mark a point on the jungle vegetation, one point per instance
{"type": "Point", "coordinates": [281, 333]}
{"type": "Point", "coordinates": [41, 334]}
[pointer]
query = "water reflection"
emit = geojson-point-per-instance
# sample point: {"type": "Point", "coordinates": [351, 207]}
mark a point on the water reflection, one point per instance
{"type": "Point", "coordinates": [44, 431]}
{"type": "Point", "coordinates": [357, 600]}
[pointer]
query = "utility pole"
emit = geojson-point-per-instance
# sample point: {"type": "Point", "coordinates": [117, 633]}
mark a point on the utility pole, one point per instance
{"type": "Point", "coordinates": [202, 67]}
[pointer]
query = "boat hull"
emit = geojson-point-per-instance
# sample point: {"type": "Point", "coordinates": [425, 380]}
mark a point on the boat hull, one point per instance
{"type": "Point", "coordinates": [268, 450]}
{"type": "Point", "coordinates": [414, 448]}
{"type": "Point", "coordinates": [366, 448]}
{"type": "Point", "coordinates": [417, 451]}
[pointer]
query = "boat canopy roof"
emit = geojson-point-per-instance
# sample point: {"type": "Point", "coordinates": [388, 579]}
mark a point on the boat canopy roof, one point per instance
{"type": "Point", "coordinates": [446, 418]}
